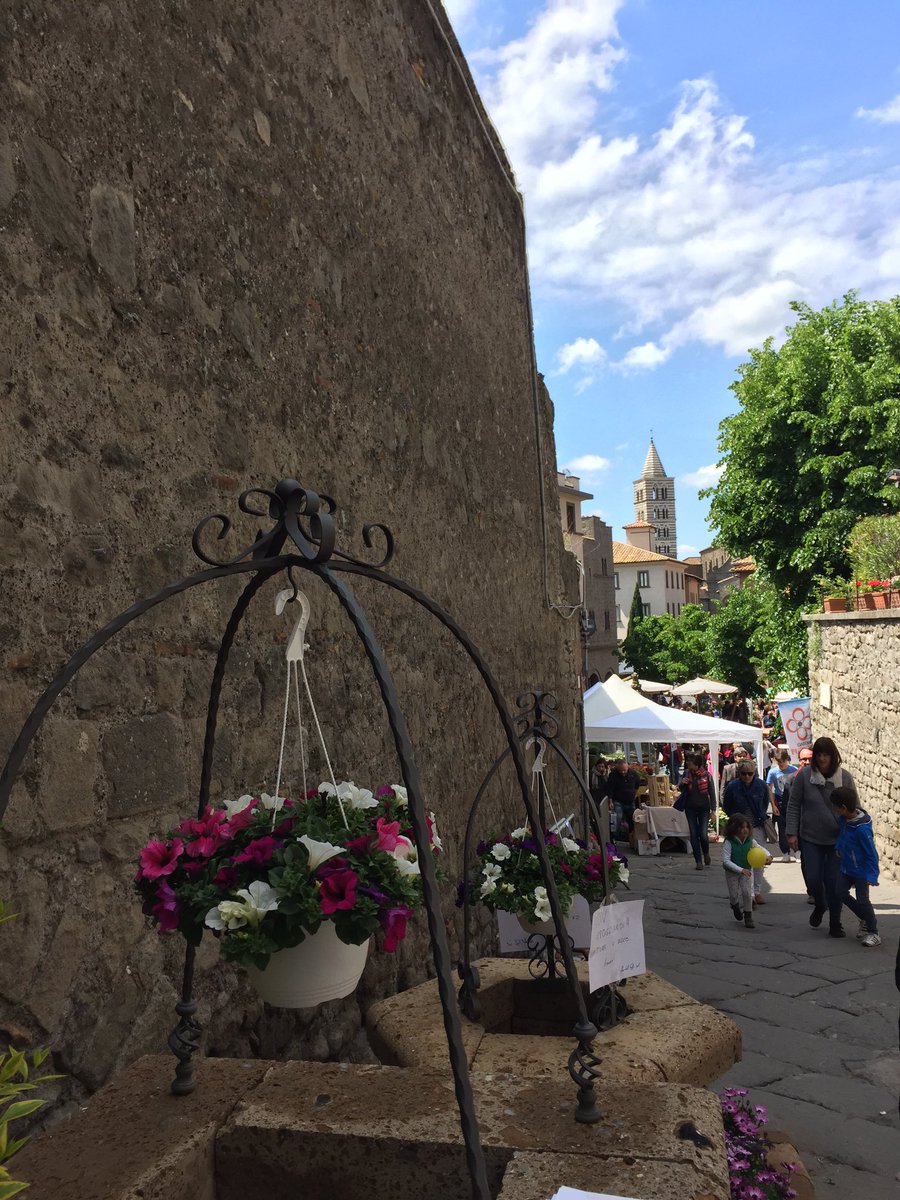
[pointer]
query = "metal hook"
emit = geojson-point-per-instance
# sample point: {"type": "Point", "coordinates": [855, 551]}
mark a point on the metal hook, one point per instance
{"type": "Point", "coordinates": [296, 642]}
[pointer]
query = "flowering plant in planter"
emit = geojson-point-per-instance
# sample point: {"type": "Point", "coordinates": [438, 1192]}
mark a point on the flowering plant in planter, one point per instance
{"type": "Point", "coordinates": [747, 1147]}
{"type": "Point", "coordinates": [265, 871]}
{"type": "Point", "coordinates": [510, 876]}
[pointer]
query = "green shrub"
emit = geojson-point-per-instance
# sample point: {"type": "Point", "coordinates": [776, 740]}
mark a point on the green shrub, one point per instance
{"type": "Point", "coordinates": [875, 547]}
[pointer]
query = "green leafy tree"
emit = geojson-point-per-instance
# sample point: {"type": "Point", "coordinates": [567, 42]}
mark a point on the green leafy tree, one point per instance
{"type": "Point", "coordinates": [806, 454]}
{"type": "Point", "coordinates": [668, 648]}
{"type": "Point", "coordinates": [757, 639]}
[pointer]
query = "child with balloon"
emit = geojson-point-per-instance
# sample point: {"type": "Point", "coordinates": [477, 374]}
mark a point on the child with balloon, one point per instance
{"type": "Point", "coordinates": [740, 854]}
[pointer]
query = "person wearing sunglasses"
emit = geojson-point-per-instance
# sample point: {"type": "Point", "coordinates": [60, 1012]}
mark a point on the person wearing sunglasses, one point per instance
{"type": "Point", "coordinates": [747, 794]}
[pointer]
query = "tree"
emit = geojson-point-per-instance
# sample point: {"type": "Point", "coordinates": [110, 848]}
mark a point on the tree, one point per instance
{"type": "Point", "coordinates": [806, 454]}
{"type": "Point", "coordinates": [668, 648]}
{"type": "Point", "coordinates": [757, 638]}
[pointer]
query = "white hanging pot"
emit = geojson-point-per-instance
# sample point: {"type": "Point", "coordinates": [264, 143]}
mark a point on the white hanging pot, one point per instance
{"type": "Point", "coordinates": [321, 968]}
{"type": "Point", "coordinates": [544, 927]}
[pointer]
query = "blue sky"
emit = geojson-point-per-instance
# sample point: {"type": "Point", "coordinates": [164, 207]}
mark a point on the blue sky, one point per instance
{"type": "Point", "coordinates": [689, 167]}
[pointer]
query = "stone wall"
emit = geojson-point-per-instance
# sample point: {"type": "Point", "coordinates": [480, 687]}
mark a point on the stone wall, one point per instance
{"type": "Point", "coordinates": [240, 242]}
{"type": "Point", "coordinates": [854, 665]}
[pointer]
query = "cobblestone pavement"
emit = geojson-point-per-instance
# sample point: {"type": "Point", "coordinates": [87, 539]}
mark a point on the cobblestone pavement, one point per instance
{"type": "Point", "coordinates": [818, 1014]}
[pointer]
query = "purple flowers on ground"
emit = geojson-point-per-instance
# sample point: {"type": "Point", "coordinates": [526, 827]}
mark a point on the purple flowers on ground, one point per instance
{"type": "Point", "coordinates": [746, 1147]}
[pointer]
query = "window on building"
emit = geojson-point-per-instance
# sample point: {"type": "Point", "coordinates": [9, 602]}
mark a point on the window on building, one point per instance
{"type": "Point", "coordinates": [606, 619]}
{"type": "Point", "coordinates": [616, 579]}
{"type": "Point", "coordinates": [643, 579]}
{"type": "Point", "coordinates": [667, 578]}
{"type": "Point", "coordinates": [570, 518]}
{"type": "Point", "coordinates": [618, 612]}
{"type": "Point", "coordinates": [653, 493]}
{"type": "Point", "coordinates": [603, 570]}
{"type": "Point", "coordinates": [645, 610]}
{"type": "Point", "coordinates": [679, 610]}
{"type": "Point", "coordinates": [665, 493]}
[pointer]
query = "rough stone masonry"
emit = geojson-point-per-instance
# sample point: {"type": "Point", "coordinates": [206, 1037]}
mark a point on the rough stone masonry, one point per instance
{"type": "Point", "coordinates": [240, 242]}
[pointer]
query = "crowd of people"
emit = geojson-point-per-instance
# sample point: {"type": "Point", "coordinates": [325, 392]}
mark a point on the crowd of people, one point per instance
{"type": "Point", "coordinates": [811, 810]}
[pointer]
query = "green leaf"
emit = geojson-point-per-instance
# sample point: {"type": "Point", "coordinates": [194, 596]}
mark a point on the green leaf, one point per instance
{"type": "Point", "coordinates": [21, 1109]}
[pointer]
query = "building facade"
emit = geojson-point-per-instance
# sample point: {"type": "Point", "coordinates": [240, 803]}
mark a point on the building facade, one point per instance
{"type": "Point", "coordinates": [660, 578]}
{"type": "Point", "coordinates": [590, 541]}
{"type": "Point", "coordinates": [654, 502]}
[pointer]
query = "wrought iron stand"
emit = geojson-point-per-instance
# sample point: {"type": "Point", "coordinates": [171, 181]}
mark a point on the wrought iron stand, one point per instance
{"type": "Point", "coordinates": [301, 535]}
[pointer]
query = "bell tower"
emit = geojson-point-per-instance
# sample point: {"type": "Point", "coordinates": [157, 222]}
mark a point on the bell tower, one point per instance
{"type": "Point", "coordinates": [654, 501]}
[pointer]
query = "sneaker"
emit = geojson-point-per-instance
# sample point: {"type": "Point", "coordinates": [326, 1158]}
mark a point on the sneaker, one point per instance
{"type": "Point", "coordinates": [748, 921]}
{"type": "Point", "coordinates": [862, 931]}
{"type": "Point", "coordinates": [815, 917]}
{"type": "Point", "coordinates": [871, 939]}
{"type": "Point", "coordinates": [698, 866]}
{"type": "Point", "coordinates": [736, 909]}
{"type": "Point", "coordinates": [837, 931]}
{"type": "Point", "coordinates": [706, 859]}
{"type": "Point", "coordinates": [786, 858]}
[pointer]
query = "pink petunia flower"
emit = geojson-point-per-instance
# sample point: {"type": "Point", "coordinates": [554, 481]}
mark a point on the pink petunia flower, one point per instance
{"type": "Point", "coordinates": [337, 886]}
{"type": "Point", "coordinates": [165, 910]}
{"type": "Point", "coordinates": [388, 835]}
{"type": "Point", "coordinates": [226, 878]}
{"type": "Point", "coordinates": [393, 922]}
{"type": "Point", "coordinates": [258, 852]}
{"type": "Point", "coordinates": [160, 858]}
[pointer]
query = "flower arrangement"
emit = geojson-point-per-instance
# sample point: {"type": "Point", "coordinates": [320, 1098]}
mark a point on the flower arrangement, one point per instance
{"type": "Point", "coordinates": [873, 585]}
{"type": "Point", "coordinates": [510, 873]}
{"type": "Point", "coordinates": [747, 1147]}
{"type": "Point", "coordinates": [264, 871]}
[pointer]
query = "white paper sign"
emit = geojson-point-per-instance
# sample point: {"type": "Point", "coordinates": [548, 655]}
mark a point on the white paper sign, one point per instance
{"type": "Point", "coordinates": [617, 943]}
{"type": "Point", "coordinates": [514, 939]}
{"type": "Point", "coordinates": [567, 1193]}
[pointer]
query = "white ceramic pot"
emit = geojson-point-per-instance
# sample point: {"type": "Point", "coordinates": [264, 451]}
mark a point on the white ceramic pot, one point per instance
{"type": "Point", "coordinates": [321, 968]}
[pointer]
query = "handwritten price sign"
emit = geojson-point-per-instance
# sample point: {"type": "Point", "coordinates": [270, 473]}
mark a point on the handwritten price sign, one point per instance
{"type": "Point", "coordinates": [617, 943]}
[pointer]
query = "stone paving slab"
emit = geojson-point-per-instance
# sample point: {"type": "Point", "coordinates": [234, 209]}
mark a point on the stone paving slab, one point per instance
{"type": "Point", "coordinates": [818, 1014]}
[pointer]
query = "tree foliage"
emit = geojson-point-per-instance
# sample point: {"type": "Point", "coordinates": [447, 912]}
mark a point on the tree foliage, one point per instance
{"type": "Point", "coordinates": [806, 454]}
{"type": "Point", "coordinates": [755, 639]}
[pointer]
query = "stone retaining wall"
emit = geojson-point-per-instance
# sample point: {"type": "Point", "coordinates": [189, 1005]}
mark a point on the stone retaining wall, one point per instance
{"type": "Point", "coordinates": [240, 242]}
{"type": "Point", "coordinates": [854, 677]}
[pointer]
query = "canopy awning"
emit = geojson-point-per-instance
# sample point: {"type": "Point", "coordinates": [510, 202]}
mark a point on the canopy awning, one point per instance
{"type": "Point", "coordinates": [609, 698]}
{"type": "Point", "coordinates": [652, 688]}
{"type": "Point", "coordinates": [700, 686]}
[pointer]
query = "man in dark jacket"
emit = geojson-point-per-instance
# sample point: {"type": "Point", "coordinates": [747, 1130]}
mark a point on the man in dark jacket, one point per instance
{"type": "Point", "coordinates": [747, 794]}
{"type": "Point", "coordinates": [621, 786]}
{"type": "Point", "coordinates": [695, 801]}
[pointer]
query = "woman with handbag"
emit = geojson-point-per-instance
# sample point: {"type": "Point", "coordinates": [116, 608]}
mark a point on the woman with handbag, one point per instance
{"type": "Point", "coordinates": [695, 800]}
{"type": "Point", "coordinates": [812, 819]}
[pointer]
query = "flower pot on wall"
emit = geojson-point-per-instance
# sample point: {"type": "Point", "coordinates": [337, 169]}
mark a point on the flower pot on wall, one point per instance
{"type": "Point", "coordinates": [865, 600]}
{"type": "Point", "coordinates": [835, 603]}
{"type": "Point", "coordinates": [881, 599]}
{"type": "Point", "coordinates": [321, 968]}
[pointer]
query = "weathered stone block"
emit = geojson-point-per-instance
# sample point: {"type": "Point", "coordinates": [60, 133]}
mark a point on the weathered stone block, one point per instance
{"type": "Point", "coordinates": [7, 171]}
{"type": "Point", "coordinates": [112, 235]}
{"type": "Point", "coordinates": [55, 211]}
{"type": "Point", "coordinates": [144, 763]}
{"type": "Point", "coordinates": [69, 774]}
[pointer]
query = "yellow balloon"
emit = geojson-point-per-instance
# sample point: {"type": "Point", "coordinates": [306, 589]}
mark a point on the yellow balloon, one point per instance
{"type": "Point", "coordinates": [756, 857]}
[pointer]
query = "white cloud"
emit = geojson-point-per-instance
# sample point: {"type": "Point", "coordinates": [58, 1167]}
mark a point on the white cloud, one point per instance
{"type": "Point", "coordinates": [589, 464]}
{"type": "Point", "coordinates": [887, 114]}
{"type": "Point", "coordinates": [703, 477]}
{"type": "Point", "coordinates": [581, 352]}
{"type": "Point", "coordinates": [689, 235]}
{"type": "Point", "coordinates": [647, 355]}
{"type": "Point", "coordinates": [459, 10]}
{"type": "Point", "coordinates": [686, 551]}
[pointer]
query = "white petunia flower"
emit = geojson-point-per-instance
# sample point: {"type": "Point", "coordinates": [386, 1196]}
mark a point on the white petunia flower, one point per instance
{"type": "Point", "coordinates": [507, 887]}
{"type": "Point", "coordinates": [407, 866]}
{"type": "Point", "coordinates": [255, 902]}
{"type": "Point", "coordinates": [319, 852]}
{"type": "Point", "coordinates": [542, 912]}
{"type": "Point", "coordinates": [487, 887]}
{"type": "Point", "coordinates": [227, 915]}
{"type": "Point", "coordinates": [271, 803]}
{"type": "Point", "coordinates": [569, 845]}
{"type": "Point", "coordinates": [350, 794]}
{"type": "Point", "coordinates": [492, 870]}
{"type": "Point", "coordinates": [435, 838]}
{"type": "Point", "coordinates": [518, 834]}
{"type": "Point", "coordinates": [400, 795]}
{"type": "Point", "coordinates": [500, 851]}
{"type": "Point", "coordinates": [233, 807]}
{"type": "Point", "coordinates": [623, 874]}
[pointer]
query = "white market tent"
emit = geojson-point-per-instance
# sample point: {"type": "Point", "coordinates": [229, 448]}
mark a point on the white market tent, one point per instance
{"type": "Point", "coordinates": [608, 699]}
{"type": "Point", "coordinates": [700, 686]}
{"type": "Point", "coordinates": [651, 722]}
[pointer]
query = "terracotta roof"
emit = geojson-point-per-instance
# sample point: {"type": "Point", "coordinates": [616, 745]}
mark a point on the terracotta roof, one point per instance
{"type": "Point", "coordinates": [653, 468]}
{"type": "Point", "coordinates": [640, 525]}
{"type": "Point", "coordinates": [744, 564]}
{"type": "Point", "coordinates": [694, 559]}
{"type": "Point", "coordinates": [624, 552]}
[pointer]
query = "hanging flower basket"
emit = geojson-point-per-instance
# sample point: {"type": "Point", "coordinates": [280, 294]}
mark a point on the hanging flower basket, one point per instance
{"type": "Point", "coordinates": [510, 876]}
{"type": "Point", "coordinates": [264, 871]}
{"type": "Point", "coordinates": [321, 968]}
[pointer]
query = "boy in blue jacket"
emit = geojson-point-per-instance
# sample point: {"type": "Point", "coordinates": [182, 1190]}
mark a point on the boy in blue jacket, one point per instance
{"type": "Point", "coordinates": [859, 861]}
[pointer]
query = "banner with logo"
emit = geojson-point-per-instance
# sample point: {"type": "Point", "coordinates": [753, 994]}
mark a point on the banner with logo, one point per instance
{"type": "Point", "coordinates": [797, 725]}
